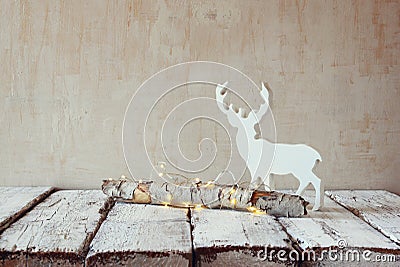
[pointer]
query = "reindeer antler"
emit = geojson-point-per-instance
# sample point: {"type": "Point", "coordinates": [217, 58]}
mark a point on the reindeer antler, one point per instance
{"type": "Point", "coordinates": [220, 96]}
{"type": "Point", "coordinates": [221, 92]}
{"type": "Point", "coordinates": [264, 107]}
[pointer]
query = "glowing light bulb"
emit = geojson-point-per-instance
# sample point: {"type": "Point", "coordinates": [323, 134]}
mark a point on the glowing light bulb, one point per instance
{"type": "Point", "coordinates": [259, 212]}
{"type": "Point", "coordinates": [209, 184]}
{"type": "Point", "coordinates": [161, 174]}
{"type": "Point", "coordinates": [252, 209]}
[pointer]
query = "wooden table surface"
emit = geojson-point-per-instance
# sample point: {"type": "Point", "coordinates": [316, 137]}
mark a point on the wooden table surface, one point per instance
{"type": "Point", "coordinates": [42, 226]}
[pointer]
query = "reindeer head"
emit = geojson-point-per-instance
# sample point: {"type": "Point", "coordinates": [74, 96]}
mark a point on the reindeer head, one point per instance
{"type": "Point", "coordinates": [237, 117]}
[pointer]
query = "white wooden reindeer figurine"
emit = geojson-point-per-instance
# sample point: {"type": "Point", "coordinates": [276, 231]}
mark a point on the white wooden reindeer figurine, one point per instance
{"type": "Point", "coordinates": [263, 157]}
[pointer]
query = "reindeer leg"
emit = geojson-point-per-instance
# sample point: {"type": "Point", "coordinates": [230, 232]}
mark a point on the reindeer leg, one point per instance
{"type": "Point", "coordinates": [255, 183]}
{"type": "Point", "coordinates": [269, 183]}
{"type": "Point", "coordinates": [303, 182]}
{"type": "Point", "coordinates": [319, 191]}
{"type": "Point", "coordinates": [302, 187]}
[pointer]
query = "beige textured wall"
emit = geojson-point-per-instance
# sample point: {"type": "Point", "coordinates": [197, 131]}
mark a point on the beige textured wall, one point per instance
{"type": "Point", "coordinates": [68, 70]}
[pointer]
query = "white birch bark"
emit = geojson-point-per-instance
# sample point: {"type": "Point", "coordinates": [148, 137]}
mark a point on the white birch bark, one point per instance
{"type": "Point", "coordinates": [208, 195]}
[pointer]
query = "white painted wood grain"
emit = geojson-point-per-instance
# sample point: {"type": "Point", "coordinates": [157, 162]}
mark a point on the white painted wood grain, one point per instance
{"type": "Point", "coordinates": [224, 237]}
{"type": "Point", "coordinates": [14, 201]}
{"type": "Point", "coordinates": [334, 223]}
{"type": "Point", "coordinates": [321, 230]}
{"type": "Point", "coordinates": [57, 229]}
{"type": "Point", "coordinates": [379, 208]}
{"type": "Point", "coordinates": [137, 234]}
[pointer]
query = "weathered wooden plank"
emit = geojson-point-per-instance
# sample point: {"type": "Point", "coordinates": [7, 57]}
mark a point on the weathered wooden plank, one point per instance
{"type": "Point", "coordinates": [379, 208]}
{"type": "Point", "coordinates": [134, 235]}
{"type": "Point", "coordinates": [16, 201]}
{"type": "Point", "coordinates": [231, 238]}
{"type": "Point", "coordinates": [335, 228]}
{"type": "Point", "coordinates": [56, 231]}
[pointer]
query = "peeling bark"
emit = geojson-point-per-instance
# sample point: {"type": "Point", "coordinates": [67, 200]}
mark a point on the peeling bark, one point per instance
{"type": "Point", "coordinates": [207, 195]}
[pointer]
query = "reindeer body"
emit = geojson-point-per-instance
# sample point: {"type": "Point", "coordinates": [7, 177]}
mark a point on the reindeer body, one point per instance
{"type": "Point", "coordinates": [264, 158]}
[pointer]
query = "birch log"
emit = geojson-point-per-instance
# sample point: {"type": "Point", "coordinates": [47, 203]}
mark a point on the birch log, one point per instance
{"type": "Point", "coordinates": [207, 195]}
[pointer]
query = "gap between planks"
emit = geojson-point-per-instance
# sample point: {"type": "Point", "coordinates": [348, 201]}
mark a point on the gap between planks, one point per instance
{"type": "Point", "coordinates": [296, 243]}
{"type": "Point", "coordinates": [17, 201]}
{"type": "Point", "coordinates": [194, 256]}
{"type": "Point", "coordinates": [378, 208]}
{"type": "Point", "coordinates": [333, 227]}
{"type": "Point", "coordinates": [134, 233]}
{"type": "Point", "coordinates": [35, 238]}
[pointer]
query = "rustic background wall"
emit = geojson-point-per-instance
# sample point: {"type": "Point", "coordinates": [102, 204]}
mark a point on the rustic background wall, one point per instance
{"type": "Point", "coordinates": [69, 68]}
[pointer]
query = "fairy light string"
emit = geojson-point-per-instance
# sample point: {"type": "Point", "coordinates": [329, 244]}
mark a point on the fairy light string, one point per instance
{"type": "Point", "coordinates": [195, 182]}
